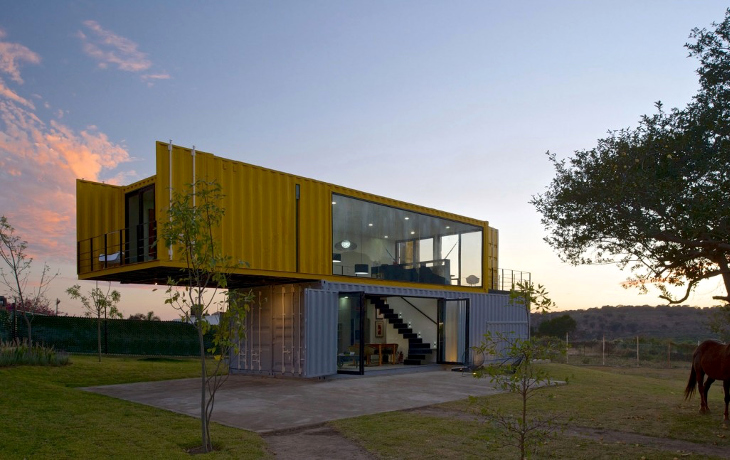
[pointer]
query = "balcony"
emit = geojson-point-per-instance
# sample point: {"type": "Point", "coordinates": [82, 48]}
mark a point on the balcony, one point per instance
{"type": "Point", "coordinates": [118, 248]}
{"type": "Point", "coordinates": [504, 279]}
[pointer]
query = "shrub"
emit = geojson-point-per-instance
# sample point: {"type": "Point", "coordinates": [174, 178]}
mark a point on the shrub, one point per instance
{"type": "Point", "coordinates": [17, 353]}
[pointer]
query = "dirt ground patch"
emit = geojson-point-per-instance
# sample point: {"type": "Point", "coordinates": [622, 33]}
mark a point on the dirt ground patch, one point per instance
{"type": "Point", "coordinates": [317, 442]}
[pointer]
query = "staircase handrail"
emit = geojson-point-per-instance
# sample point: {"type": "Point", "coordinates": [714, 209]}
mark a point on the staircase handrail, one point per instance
{"type": "Point", "coordinates": [418, 310]}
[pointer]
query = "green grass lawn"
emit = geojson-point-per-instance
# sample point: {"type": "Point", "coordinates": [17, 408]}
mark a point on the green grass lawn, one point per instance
{"type": "Point", "coordinates": [643, 401]}
{"type": "Point", "coordinates": [44, 414]}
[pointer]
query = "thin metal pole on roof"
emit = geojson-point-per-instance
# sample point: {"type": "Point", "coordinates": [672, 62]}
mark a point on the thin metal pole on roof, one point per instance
{"type": "Point", "coordinates": [169, 150]}
{"type": "Point", "coordinates": [193, 153]}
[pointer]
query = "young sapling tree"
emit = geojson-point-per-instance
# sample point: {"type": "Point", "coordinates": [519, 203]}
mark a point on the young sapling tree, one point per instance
{"type": "Point", "coordinates": [194, 218]}
{"type": "Point", "coordinates": [96, 303]}
{"type": "Point", "coordinates": [513, 368]}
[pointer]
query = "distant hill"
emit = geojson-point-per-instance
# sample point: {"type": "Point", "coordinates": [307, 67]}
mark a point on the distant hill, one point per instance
{"type": "Point", "coordinates": [680, 323]}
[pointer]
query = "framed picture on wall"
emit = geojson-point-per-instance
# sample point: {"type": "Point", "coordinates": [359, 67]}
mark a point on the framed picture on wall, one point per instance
{"type": "Point", "coordinates": [379, 329]}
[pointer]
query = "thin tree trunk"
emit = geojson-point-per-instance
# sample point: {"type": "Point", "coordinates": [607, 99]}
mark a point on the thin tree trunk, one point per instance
{"type": "Point", "coordinates": [523, 428]}
{"type": "Point", "coordinates": [203, 376]}
{"type": "Point", "coordinates": [98, 334]}
{"type": "Point", "coordinates": [27, 323]}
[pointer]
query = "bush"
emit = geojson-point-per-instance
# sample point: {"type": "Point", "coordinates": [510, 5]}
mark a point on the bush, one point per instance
{"type": "Point", "coordinates": [19, 353]}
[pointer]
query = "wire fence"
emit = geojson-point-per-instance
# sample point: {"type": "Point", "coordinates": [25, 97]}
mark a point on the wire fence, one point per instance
{"type": "Point", "coordinates": [118, 336]}
{"type": "Point", "coordinates": [638, 351]}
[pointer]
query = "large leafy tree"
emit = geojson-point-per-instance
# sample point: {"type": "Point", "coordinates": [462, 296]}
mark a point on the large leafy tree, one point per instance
{"type": "Point", "coordinates": [654, 198]}
{"type": "Point", "coordinates": [195, 215]}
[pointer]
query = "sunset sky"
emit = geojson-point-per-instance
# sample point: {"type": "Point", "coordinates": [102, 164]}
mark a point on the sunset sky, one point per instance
{"type": "Point", "coordinates": [450, 105]}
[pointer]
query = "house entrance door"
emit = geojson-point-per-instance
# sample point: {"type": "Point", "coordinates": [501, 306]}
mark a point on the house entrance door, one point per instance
{"type": "Point", "coordinates": [453, 332]}
{"type": "Point", "coordinates": [350, 333]}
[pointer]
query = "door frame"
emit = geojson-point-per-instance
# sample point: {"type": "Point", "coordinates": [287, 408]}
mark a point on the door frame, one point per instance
{"type": "Point", "coordinates": [362, 307]}
{"type": "Point", "coordinates": [441, 312]}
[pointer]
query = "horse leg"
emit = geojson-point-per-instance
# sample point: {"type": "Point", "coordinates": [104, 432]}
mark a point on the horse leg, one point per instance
{"type": "Point", "coordinates": [708, 384]}
{"type": "Point", "coordinates": [701, 389]}
{"type": "Point", "coordinates": [726, 387]}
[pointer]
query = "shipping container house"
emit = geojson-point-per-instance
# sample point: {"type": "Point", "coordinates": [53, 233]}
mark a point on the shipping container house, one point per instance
{"type": "Point", "coordinates": [343, 280]}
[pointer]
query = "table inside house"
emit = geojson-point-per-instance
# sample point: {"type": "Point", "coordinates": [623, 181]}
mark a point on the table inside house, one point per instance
{"type": "Point", "coordinates": [380, 347]}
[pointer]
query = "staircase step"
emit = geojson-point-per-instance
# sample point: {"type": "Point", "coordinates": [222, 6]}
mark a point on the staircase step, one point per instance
{"type": "Point", "coordinates": [425, 351]}
{"type": "Point", "coordinates": [419, 346]}
{"type": "Point", "coordinates": [410, 335]}
{"type": "Point", "coordinates": [412, 362]}
{"type": "Point", "coordinates": [416, 356]}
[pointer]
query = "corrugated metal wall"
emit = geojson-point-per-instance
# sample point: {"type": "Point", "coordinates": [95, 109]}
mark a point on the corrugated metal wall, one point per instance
{"type": "Point", "coordinates": [320, 332]}
{"type": "Point", "coordinates": [99, 209]}
{"type": "Point", "coordinates": [250, 231]}
{"type": "Point", "coordinates": [492, 265]}
{"type": "Point", "coordinates": [292, 329]}
{"type": "Point", "coordinates": [274, 342]}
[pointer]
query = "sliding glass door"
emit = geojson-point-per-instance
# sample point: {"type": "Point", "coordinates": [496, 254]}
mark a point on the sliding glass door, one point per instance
{"type": "Point", "coordinates": [453, 332]}
{"type": "Point", "coordinates": [141, 225]}
{"type": "Point", "coordinates": [351, 335]}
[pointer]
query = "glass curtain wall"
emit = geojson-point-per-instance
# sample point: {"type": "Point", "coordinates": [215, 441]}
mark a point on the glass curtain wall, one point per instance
{"type": "Point", "coordinates": [377, 241]}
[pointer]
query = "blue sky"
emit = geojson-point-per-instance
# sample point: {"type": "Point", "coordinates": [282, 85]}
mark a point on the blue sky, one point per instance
{"type": "Point", "coordinates": [451, 105]}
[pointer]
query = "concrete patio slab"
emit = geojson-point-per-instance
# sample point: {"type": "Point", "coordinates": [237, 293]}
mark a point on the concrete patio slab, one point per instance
{"type": "Point", "coordinates": [267, 404]}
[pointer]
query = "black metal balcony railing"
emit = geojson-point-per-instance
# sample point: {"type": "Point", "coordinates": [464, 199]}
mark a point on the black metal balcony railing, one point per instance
{"type": "Point", "coordinates": [124, 246]}
{"type": "Point", "coordinates": [504, 279]}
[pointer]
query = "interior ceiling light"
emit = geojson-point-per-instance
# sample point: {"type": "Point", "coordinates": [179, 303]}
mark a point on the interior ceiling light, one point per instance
{"type": "Point", "coordinates": [334, 202]}
{"type": "Point", "coordinates": [345, 245]}
{"type": "Point", "coordinates": [370, 225]}
{"type": "Point", "coordinates": [336, 258]}
{"type": "Point", "coordinates": [413, 233]}
{"type": "Point", "coordinates": [407, 218]}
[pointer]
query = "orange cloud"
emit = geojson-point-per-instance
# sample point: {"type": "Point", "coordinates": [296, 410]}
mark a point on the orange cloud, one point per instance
{"type": "Point", "coordinates": [40, 163]}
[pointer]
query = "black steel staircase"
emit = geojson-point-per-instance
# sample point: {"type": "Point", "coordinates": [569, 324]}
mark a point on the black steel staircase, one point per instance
{"type": "Point", "coordinates": [418, 350]}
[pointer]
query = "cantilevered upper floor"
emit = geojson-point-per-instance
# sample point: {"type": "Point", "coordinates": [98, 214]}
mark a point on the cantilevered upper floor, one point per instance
{"type": "Point", "coordinates": [285, 227]}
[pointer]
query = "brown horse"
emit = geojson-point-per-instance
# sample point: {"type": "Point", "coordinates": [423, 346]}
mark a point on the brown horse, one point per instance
{"type": "Point", "coordinates": [713, 359]}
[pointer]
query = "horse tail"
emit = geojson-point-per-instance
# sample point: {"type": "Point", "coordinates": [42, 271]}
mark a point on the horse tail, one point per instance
{"type": "Point", "coordinates": [691, 384]}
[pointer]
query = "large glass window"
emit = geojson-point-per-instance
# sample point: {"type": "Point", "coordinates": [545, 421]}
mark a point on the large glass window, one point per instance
{"type": "Point", "coordinates": [377, 241]}
{"type": "Point", "coordinates": [141, 226]}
